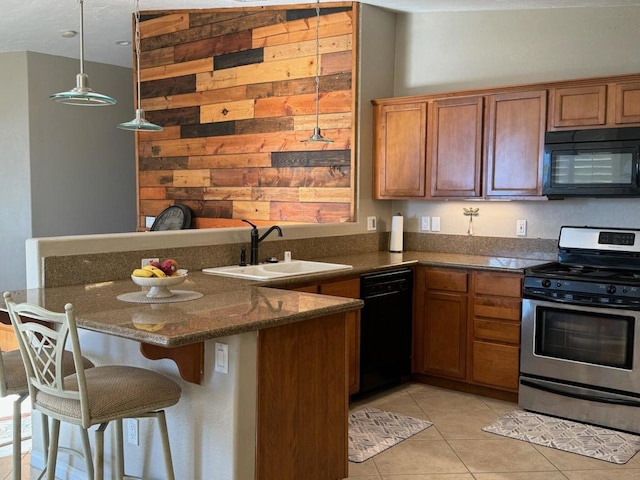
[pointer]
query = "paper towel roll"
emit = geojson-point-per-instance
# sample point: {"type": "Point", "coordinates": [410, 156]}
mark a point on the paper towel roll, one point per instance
{"type": "Point", "coordinates": [395, 243]}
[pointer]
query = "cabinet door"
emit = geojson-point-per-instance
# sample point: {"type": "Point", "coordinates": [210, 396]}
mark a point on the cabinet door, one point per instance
{"type": "Point", "coordinates": [455, 153]}
{"type": "Point", "coordinates": [399, 151]}
{"type": "Point", "coordinates": [572, 107]}
{"type": "Point", "coordinates": [515, 144]}
{"type": "Point", "coordinates": [351, 289]}
{"type": "Point", "coordinates": [440, 323]}
{"type": "Point", "coordinates": [445, 320]}
{"type": "Point", "coordinates": [627, 103]}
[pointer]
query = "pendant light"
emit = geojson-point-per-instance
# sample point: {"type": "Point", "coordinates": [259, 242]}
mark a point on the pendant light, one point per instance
{"type": "Point", "coordinates": [139, 123]}
{"type": "Point", "coordinates": [82, 94]}
{"type": "Point", "coordinates": [317, 136]}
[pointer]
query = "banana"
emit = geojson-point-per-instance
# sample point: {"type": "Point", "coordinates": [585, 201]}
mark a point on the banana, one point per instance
{"type": "Point", "coordinates": [155, 271]}
{"type": "Point", "coordinates": [141, 272]}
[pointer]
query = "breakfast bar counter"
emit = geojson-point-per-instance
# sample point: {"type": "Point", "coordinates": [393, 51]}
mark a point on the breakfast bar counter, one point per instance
{"type": "Point", "coordinates": [280, 387]}
{"type": "Point", "coordinates": [226, 306]}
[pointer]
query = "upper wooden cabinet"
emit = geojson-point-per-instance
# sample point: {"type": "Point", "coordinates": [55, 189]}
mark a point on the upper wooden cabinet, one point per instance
{"type": "Point", "coordinates": [488, 143]}
{"type": "Point", "coordinates": [600, 105]}
{"type": "Point", "coordinates": [514, 144]}
{"type": "Point", "coordinates": [399, 150]}
{"type": "Point", "coordinates": [454, 147]}
{"type": "Point", "coordinates": [476, 146]}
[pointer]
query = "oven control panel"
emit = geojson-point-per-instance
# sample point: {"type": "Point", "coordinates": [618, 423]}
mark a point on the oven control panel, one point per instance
{"type": "Point", "coordinates": [582, 292]}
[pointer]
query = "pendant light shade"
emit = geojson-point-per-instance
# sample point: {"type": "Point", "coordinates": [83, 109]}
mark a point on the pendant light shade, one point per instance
{"type": "Point", "coordinates": [139, 122]}
{"type": "Point", "coordinates": [82, 94]}
{"type": "Point", "coordinates": [317, 136]}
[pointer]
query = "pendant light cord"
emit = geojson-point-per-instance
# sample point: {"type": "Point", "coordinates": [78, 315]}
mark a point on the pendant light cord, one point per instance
{"type": "Point", "coordinates": [317, 79]}
{"type": "Point", "coordinates": [81, 2]}
{"type": "Point", "coordinates": [137, 47]}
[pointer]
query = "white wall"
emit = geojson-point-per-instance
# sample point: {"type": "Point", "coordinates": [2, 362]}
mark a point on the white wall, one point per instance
{"type": "Point", "coordinates": [440, 52]}
{"type": "Point", "coordinates": [66, 170]}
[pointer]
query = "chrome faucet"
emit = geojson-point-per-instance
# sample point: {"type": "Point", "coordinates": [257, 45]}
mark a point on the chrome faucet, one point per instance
{"type": "Point", "coordinates": [256, 239]}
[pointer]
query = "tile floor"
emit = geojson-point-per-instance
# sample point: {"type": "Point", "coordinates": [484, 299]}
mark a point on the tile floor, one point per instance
{"type": "Point", "coordinates": [454, 448]}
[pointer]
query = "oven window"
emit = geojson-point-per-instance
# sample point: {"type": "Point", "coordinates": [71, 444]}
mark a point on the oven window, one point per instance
{"type": "Point", "coordinates": [587, 337]}
{"type": "Point", "coordinates": [592, 167]}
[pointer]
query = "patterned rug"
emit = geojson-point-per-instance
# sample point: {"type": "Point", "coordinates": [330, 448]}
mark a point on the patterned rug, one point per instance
{"type": "Point", "coordinates": [372, 431]}
{"type": "Point", "coordinates": [6, 429]}
{"type": "Point", "coordinates": [587, 440]}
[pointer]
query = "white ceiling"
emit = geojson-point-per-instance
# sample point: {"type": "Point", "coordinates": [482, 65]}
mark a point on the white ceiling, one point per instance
{"type": "Point", "coordinates": [35, 25]}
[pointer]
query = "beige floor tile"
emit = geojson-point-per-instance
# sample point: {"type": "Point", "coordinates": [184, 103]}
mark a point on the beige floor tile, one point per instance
{"type": "Point", "coordinates": [430, 433]}
{"type": "Point", "coordinates": [499, 406]}
{"type": "Point", "coordinates": [520, 476]}
{"type": "Point", "coordinates": [438, 402]}
{"type": "Point", "coordinates": [419, 458]}
{"type": "Point", "coordinates": [397, 402]}
{"type": "Point", "coordinates": [365, 477]}
{"type": "Point", "coordinates": [464, 425]}
{"type": "Point", "coordinates": [629, 474]}
{"type": "Point", "coordinates": [362, 469]}
{"type": "Point", "coordinates": [428, 476]}
{"type": "Point", "coordinates": [566, 461]}
{"type": "Point", "coordinates": [501, 455]}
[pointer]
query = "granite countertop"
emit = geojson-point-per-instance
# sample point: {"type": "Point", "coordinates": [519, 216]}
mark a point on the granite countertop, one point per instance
{"type": "Point", "coordinates": [375, 261]}
{"type": "Point", "coordinates": [230, 306]}
{"type": "Point", "coordinates": [227, 307]}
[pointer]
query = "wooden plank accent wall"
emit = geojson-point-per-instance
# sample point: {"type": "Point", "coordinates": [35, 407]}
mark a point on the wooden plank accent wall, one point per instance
{"type": "Point", "coordinates": [234, 90]}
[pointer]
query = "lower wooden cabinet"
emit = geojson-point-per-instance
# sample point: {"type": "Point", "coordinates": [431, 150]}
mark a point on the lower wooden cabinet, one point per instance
{"type": "Point", "coordinates": [467, 326]}
{"type": "Point", "coordinates": [349, 288]}
{"type": "Point", "coordinates": [442, 330]}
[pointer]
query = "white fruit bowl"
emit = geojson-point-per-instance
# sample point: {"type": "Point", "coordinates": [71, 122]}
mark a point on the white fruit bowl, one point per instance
{"type": "Point", "coordinates": [159, 287]}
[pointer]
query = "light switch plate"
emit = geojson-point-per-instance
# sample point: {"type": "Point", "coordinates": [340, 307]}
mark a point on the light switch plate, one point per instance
{"type": "Point", "coordinates": [371, 223]}
{"type": "Point", "coordinates": [435, 224]}
{"type": "Point", "coordinates": [222, 358]}
{"type": "Point", "coordinates": [521, 228]}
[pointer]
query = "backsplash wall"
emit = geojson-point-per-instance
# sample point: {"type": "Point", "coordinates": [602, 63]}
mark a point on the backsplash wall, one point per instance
{"type": "Point", "coordinates": [234, 90]}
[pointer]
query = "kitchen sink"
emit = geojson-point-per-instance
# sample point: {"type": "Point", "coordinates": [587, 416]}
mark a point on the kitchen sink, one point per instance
{"type": "Point", "coordinates": [271, 271]}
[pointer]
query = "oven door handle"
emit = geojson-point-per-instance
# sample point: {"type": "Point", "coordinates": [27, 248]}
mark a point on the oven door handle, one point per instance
{"type": "Point", "coordinates": [579, 396]}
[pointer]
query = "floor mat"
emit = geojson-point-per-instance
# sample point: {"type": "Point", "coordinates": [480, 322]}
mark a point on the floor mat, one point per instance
{"type": "Point", "coordinates": [372, 431]}
{"type": "Point", "coordinates": [588, 440]}
{"type": "Point", "coordinates": [6, 429]}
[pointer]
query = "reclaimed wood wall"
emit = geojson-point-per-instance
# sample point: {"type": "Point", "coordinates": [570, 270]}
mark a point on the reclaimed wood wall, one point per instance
{"type": "Point", "coordinates": [234, 90]}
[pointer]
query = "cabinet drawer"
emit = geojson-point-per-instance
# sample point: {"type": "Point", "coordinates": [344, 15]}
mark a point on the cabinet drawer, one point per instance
{"type": "Point", "coordinates": [496, 331]}
{"type": "Point", "coordinates": [503, 285]}
{"type": "Point", "coordinates": [449, 280]}
{"type": "Point", "coordinates": [497, 307]}
{"type": "Point", "coordinates": [496, 365]}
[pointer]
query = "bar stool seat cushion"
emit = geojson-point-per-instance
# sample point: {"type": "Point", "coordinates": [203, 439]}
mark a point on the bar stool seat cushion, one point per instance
{"type": "Point", "coordinates": [114, 391]}
{"type": "Point", "coordinates": [15, 375]}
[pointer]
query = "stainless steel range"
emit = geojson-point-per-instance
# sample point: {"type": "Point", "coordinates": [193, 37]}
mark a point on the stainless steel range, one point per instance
{"type": "Point", "coordinates": [580, 356]}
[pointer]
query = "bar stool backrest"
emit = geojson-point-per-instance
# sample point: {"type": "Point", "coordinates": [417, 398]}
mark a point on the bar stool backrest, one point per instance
{"type": "Point", "coordinates": [42, 344]}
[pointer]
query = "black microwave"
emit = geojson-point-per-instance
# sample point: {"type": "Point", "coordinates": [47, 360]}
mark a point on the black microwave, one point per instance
{"type": "Point", "coordinates": [592, 163]}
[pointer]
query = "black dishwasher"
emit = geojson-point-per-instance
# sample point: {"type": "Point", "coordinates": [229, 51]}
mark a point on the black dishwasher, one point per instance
{"type": "Point", "coordinates": [385, 329]}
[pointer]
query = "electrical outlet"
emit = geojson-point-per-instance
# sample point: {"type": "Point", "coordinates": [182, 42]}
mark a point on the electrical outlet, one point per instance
{"type": "Point", "coordinates": [435, 224]}
{"type": "Point", "coordinates": [146, 261]}
{"type": "Point", "coordinates": [425, 224]}
{"type": "Point", "coordinates": [371, 223]}
{"type": "Point", "coordinates": [521, 228]}
{"type": "Point", "coordinates": [132, 431]}
{"type": "Point", "coordinates": [222, 358]}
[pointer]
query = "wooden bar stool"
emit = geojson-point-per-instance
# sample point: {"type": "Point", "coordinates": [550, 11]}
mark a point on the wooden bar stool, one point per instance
{"type": "Point", "coordinates": [86, 398]}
